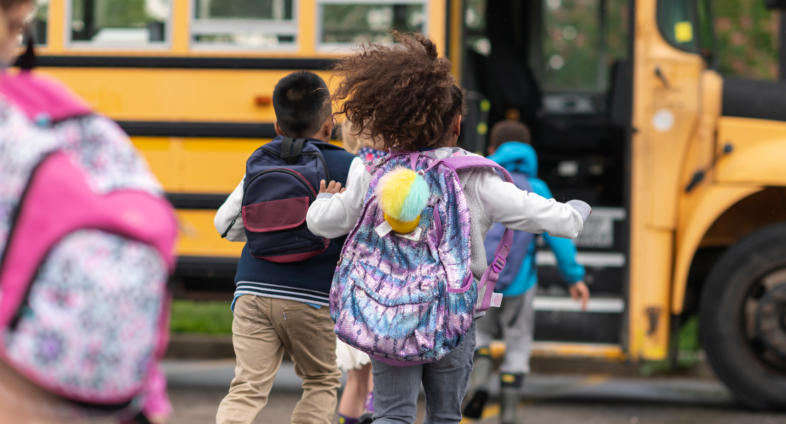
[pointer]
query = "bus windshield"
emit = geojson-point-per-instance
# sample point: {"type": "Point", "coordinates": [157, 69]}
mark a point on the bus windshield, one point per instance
{"type": "Point", "coordinates": [581, 40]}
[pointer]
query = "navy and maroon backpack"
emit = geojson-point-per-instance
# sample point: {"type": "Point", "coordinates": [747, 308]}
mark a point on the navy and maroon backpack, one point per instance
{"type": "Point", "coordinates": [282, 178]}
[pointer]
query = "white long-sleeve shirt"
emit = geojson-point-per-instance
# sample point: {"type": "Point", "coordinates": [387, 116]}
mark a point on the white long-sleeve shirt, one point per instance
{"type": "Point", "coordinates": [490, 200]}
{"type": "Point", "coordinates": [229, 211]}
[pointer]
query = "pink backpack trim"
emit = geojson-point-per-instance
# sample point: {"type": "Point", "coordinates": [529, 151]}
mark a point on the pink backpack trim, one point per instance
{"type": "Point", "coordinates": [490, 277]}
{"type": "Point", "coordinates": [72, 205]}
{"type": "Point", "coordinates": [41, 98]}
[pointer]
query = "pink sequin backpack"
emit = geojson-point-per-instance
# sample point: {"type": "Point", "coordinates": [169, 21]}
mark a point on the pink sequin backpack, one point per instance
{"type": "Point", "coordinates": [86, 248]}
{"type": "Point", "coordinates": [408, 299]}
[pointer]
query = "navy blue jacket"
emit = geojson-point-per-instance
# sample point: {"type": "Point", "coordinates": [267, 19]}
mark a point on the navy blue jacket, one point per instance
{"type": "Point", "coordinates": [309, 280]}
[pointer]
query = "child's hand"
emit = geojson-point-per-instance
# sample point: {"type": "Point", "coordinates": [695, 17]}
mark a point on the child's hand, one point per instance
{"type": "Point", "coordinates": [580, 292]}
{"type": "Point", "coordinates": [332, 188]}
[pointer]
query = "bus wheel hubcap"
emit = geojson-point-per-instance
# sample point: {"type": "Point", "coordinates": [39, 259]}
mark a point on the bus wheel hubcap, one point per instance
{"type": "Point", "coordinates": [771, 320]}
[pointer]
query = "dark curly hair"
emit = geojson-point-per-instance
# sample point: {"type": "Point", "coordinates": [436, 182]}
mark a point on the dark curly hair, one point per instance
{"type": "Point", "coordinates": [403, 94]}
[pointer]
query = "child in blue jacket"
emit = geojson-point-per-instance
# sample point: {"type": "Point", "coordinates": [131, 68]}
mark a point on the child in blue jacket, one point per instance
{"type": "Point", "coordinates": [515, 319]}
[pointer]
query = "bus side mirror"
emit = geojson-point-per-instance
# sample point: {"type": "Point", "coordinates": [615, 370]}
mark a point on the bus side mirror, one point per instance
{"type": "Point", "coordinates": [775, 4]}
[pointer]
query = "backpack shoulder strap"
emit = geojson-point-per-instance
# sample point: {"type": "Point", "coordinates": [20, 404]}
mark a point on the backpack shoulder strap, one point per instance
{"type": "Point", "coordinates": [291, 149]}
{"type": "Point", "coordinates": [490, 277]}
{"type": "Point", "coordinates": [41, 99]}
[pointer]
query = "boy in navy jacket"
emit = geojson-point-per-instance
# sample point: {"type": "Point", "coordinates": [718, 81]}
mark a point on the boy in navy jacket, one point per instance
{"type": "Point", "coordinates": [284, 306]}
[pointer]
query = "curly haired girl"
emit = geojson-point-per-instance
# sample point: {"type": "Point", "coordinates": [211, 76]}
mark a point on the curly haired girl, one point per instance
{"type": "Point", "coordinates": [405, 95]}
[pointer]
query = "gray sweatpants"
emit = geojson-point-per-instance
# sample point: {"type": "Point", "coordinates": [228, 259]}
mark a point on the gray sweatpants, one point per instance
{"type": "Point", "coordinates": [514, 321]}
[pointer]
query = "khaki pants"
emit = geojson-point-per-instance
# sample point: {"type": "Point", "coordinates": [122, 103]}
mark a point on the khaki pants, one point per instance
{"type": "Point", "coordinates": [262, 328]}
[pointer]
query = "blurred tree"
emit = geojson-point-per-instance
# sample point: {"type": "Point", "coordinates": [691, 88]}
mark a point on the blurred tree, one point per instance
{"type": "Point", "coordinates": [571, 41]}
{"type": "Point", "coordinates": [363, 23]}
{"type": "Point", "coordinates": [570, 44]}
{"type": "Point", "coordinates": [747, 35]}
{"type": "Point", "coordinates": [120, 13]}
{"type": "Point", "coordinates": [244, 9]}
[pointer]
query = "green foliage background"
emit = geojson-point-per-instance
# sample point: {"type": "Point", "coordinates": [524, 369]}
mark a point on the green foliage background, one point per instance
{"type": "Point", "coordinates": [747, 35]}
{"type": "Point", "coordinates": [201, 317]}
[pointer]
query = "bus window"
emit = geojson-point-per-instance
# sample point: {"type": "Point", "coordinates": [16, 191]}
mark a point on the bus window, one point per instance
{"type": "Point", "coordinates": [346, 22]}
{"type": "Point", "coordinates": [676, 21]}
{"type": "Point", "coordinates": [136, 23]}
{"type": "Point", "coordinates": [616, 19]}
{"type": "Point", "coordinates": [706, 31]}
{"type": "Point", "coordinates": [571, 45]}
{"type": "Point", "coordinates": [747, 39]}
{"type": "Point", "coordinates": [38, 26]}
{"type": "Point", "coordinates": [245, 24]}
{"type": "Point", "coordinates": [582, 42]}
{"type": "Point", "coordinates": [475, 32]}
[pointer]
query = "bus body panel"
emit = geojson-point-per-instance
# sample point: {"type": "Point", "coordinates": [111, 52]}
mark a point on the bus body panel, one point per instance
{"type": "Point", "coordinates": [754, 163]}
{"type": "Point", "coordinates": [198, 236]}
{"type": "Point", "coordinates": [198, 165]}
{"type": "Point", "coordinates": [759, 148]}
{"type": "Point", "coordinates": [707, 205]}
{"type": "Point", "coordinates": [195, 95]}
{"type": "Point", "coordinates": [666, 108]}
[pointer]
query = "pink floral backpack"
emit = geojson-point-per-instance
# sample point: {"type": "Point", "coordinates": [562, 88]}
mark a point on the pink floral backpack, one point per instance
{"type": "Point", "coordinates": [86, 248]}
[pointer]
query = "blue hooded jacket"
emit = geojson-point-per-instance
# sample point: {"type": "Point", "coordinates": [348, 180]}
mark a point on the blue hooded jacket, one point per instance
{"type": "Point", "coordinates": [520, 158]}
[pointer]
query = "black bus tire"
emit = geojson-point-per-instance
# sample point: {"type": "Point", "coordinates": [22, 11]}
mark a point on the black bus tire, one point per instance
{"type": "Point", "coordinates": [721, 316]}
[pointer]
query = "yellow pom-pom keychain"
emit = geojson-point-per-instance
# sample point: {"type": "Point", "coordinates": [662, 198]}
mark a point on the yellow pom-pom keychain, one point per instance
{"type": "Point", "coordinates": [402, 195]}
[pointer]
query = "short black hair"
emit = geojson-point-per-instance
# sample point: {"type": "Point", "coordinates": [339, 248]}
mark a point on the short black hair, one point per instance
{"type": "Point", "coordinates": [301, 101]}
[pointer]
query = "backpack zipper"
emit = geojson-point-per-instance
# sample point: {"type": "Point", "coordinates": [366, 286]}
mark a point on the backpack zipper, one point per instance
{"type": "Point", "coordinates": [303, 180]}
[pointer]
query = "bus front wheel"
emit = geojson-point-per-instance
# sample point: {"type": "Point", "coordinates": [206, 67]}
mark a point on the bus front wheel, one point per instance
{"type": "Point", "coordinates": [742, 318]}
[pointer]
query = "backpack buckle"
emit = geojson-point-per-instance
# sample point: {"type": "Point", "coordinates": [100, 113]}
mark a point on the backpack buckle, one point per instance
{"type": "Point", "coordinates": [498, 264]}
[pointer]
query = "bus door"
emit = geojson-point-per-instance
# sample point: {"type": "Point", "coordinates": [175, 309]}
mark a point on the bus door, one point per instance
{"type": "Point", "coordinates": [562, 67]}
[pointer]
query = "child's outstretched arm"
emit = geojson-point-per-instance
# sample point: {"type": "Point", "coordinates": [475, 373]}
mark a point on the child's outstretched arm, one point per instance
{"type": "Point", "coordinates": [565, 252]}
{"type": "Point", "coordinates": [336, 211]}
{"type": "Point", "coordinates": [229, 213]}
{"type": "Point", "coordinates": [520, 210]}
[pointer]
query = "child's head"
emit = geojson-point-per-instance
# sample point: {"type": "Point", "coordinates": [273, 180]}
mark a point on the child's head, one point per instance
{"type": "Point", "coordinates": [13, 19]}
{"type": "Point", "coordinates": [302, 104]}
{"type": "Point", "coordinates": [403, 95]}
{"type": "Point", "coordinates": [505, 131]}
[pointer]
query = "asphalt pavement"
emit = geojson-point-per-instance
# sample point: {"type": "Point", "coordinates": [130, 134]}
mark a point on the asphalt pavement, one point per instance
{"type": "Point", "coordinates": [197, 387]}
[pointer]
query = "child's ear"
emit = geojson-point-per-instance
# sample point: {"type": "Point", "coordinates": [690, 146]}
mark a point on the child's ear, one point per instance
{"type": "Point", "coordinates": [278, 129]}
{"type": "Point", "coordinates": [457, 126]}
{"type": "Point", "coordinates": [328, 128]}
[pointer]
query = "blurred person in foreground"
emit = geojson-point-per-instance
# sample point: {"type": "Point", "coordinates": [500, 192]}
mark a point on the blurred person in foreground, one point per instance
{"type": "Point", "coordinates": [14, 17]}
{"type": "Point", "coordinates": [514, 320]}
{"type": "Point", "coordinates": [20, 400]}
{"type": "Point", "coordinates": [24, 141]}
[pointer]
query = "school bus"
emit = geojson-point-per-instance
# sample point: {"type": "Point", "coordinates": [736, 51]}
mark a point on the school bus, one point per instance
{"type": "Point", "coordinates": [684, 166]}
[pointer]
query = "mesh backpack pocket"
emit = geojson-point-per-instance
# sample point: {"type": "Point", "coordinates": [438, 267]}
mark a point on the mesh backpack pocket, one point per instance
{"type": "Point", "coordinates": [275, 215]}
